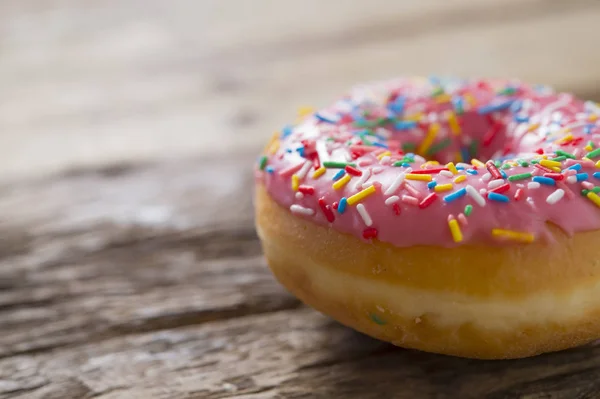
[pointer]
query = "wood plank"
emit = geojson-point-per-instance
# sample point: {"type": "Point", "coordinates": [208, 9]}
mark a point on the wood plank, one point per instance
{"type": "Point", "coordinates": [89, 83]}
{"type": "Point", "coordinates": [146, 281]}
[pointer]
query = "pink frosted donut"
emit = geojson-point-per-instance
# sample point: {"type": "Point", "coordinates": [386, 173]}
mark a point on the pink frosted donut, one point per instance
{"type": "Point", "coordinates": [450, 216]}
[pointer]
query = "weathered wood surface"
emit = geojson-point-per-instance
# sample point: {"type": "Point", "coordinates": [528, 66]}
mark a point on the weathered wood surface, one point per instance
{"type": "Point", "coordinates": [129, 266]}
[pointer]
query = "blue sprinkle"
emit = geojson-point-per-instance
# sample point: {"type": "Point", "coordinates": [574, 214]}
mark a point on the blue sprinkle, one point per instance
{"type": "Point", "coordinates": [460, 168]}
{"type": "Point", "coordinates": [410, 154]}
{"type": "Point", "coordinates": [581, 176]}
{"type": "Point", "coordinates": [498, 197]}
{"type": "Point", "coordinates": [587, 129]}
{"type": "Point", "coordinates": [339, 175]}
{"type": "Point", "coordinates": [464, 152]}
{"type": "Point", "coordinates": [521, 119]}
{"type": "Point", "coordinates": [544, 180]}
{"type": "Point", "coordinates": [406, 164]}
{"type": "Point", "coordinates": [576, 166]}
{"type": "Point", "coordinates": [503, 173]}
{"type": "Point", "coordinates": [431, 184]}
{"type": "Point", "coordinates": [327, 118]}
{"type": "Point", "coordinates": [342, 205]}
{"type": "Point", "coordinates": [455, 195]}
{"type": "Point", "coordinates": [301, 151]}
{"type": "Point", "coordinates": [398, 105]}
{"type": "Point", "coordinates": [270, 169]}
{"type": "Point", "coordinates": [596, 175]}
{"type": "Point", "coordinates": [405, 125]}
{"type": "Point", "coordinates": [286, 131]}
{"type": "Point", "coordinates": [457, 102]}
{"type": "Point", "coordinates": [289, 150]}
{"type": "Point", "coordinates": [495, 107]}
{"type": "Point", "coordinates": [472, 172]}
{"type": "Point", "coordinates": [516, 106]}
{"type": "Point", "coordinates": [376, 144]}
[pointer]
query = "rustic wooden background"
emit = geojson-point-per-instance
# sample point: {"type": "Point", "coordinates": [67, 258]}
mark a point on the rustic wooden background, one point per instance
{"type": "Point", "coordinates": [129, 267]}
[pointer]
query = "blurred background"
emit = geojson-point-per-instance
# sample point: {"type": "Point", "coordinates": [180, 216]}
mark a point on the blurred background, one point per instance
{"type": "Point", "coordinates": [97, 81]}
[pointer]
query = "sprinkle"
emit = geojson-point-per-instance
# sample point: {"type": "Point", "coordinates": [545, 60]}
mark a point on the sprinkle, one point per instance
{"type": "Point", "coordinates": [431, 184]}
{"type": "Point", "coordinates": [581, 176]}
{"type": "Point", "coordinates": [341, 173]}
{"type": "Point", "coordinates": [597, 164]}
{"type": "Point", "coordinates": [342, 205]}
{"type": "Point", "coordinates": [326, 210]}
{"type": "Point", "coordinates": [305, 168]}
{"type": "Point", "coordinates": [414, 176]}
{"type": "Point", "coordinates": [392, 200]}
{"type": "Point", "coordinates": [367, 235]}
{"type": "Point", "coordinates": [486, 177]}
{"type": "Point", "coordinates": [363, 179]}
{"type": "Point", "coordinates": [300, 210]}
{"type": "Point", "coordinates": [520, 176]}
{"type": "Point", "coordinates": [533, 185]}
{"type": "Point", "coordinates": [544, 180]}
{"type": "Point", "coordinates": [324, 117]}
{"type": "Point", "coordinates": [263, 162]}
{"type": "Point", "coordinates": [295, 182]}
{"type": "Point", "coordinates": [443, 187]}
{"type": "Point", "coordinates": [269, 169]}
{"type": "Point", "coordinates": [549, 164]}
{"type": "Point", "coordinates": [518, 194]}
{"type": "Point", "coordinates": [565, 154]}
{"type": "Point", "coordinates": [593, 154]}
{"type": "Point", "coordinates": [460, 179]}
{"type": "Point", "coordinates": [397, 209]}
{"type": "Point", "coordinates": [383, 155]}
{"type": "Point", "coordinates": [497, 197]}
{"type": "Point", "coordinates": [462, 219]}
{"type": "Point", "coordinates": [411, 190]}
{"type": "Point", "coordinates": [587, 185]}
{"type": "Point", "coordinates": [353, 171]}
{"type": "Point", "coordinates": [362, 211]}
{"type": "Point", "coordinates": [453, 123]}
{"type": "Point", "coordinates": [428, 140]}
{"type": "Point", "coordinates": [405, 125]}
{"type": "Point", "coordinates": [513, 235]}
{"type": "Point", "coordinates": [594, 198]}
{"type": "Point", "coordinates": [361, 195]}
{"type": "Point", "coordinates": [427, 200]}
{"type": "Point", "coordinates": [446, 173]}
{"type": "Point", "coordinates": [407, 199]}
{"type": "Point", "coordinates": [342, 182]}
{"type": "Point", "coordinates": [337, 165]}
{"type": "Point", "coordinates": [455, 195]}
{"type": "Point", "coordinates": [501, 189]}
{"type": "Point", "coordinates": [319, 172]}
{"type": "Point", "coordinates": [455, 230]}
{"type": "Point", "coordinates": [493, 170]}
{"type": "Point", "coordinates": [477, 163]}
{"type": "Point", "coordinates": [596, 175]}
{"type": "Point", "coordinates": [555, 196]}
{"type": "Point", "coordinates": [468, 210]}
{"type": "Point", "coordinates": [291, 170]}
{"type": "Point", "coordinates": [495, 183]}
{"type": "Point", "coordinates": [395, 185]}
{"type": "Point", "coordinates": [452, 168]}
{"type": "Point", "coordinates": [472, 192]}
{"type": "Point", "coordinates": [494, 107]}
{"type": "Point", "coordinates": [307, 190]}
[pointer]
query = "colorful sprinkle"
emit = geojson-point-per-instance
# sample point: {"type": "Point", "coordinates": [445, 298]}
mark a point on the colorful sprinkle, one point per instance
{"type": "Point", "coordinates": [497, 197]}
{"type": "Point", "coordinates": [361, 195]}
{"type": "Point", "coordinates": [362, 211]}
{"type": "Point", "coordinates": [455, 230]}
{"type": "Point", "coordinates": [513, 235]}
{"type": "Point", "coordinates": [342, 182]}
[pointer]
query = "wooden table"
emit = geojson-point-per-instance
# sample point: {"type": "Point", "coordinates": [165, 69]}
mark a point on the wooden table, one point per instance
{"type": "Point", "coordinates": [129, 266]}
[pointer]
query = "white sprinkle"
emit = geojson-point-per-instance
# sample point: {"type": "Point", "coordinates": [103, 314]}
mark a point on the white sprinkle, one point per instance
{"type": "Point", "coordinates": [530, 202]}
{"type": "Point", "coordinates": [486, 177]}
{"type": "Point", "coordinates": [365, 162]}
{"type": "Point", "coordinates": [482, 191]}
{"type": "Point", "coordinates": [419, 159]}
{"type": "Point", "coordinates": [299, 195]}
{"type": "Point", "coordinates": [463, 165]}
{"type": "Point", "coordinates": [533, 185]}
{"type": "Point", "coordinates": [462, 219]}
{"type": "Point", "coordinates": [555, 196]}
{"type": "Point", "coordinates": [520, 185]}
{"type": "Point", "coordinates": [304, 170]}
{"type": "Point", "coordinates": [472, 192]}
{"type": "Point", "coordinates": [365, 176]}
{"type": "Point", "coordinates": [572, 179]}
{"type": "Point", "coordinates": [392, 200]}
{"type": "Point", "coordinates": [446, 173]}
{"type": "Point", "coordinates": [297, 209]}
{"type": "Point", "coordinates": [377, 170]}
{"type": "Point", "coordinates": [495, 183]}
{"type": "Point", "coordinates": [362, 211]}
{"type": "Point", "coordinates": [385, 160]}
{"type": "Point", "coordinates": [394, 186]}
{"type": "Point", "coordinates": [407, 199]}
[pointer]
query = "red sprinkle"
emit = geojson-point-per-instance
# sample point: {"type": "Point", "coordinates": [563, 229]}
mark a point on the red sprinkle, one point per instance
{"type": "Point", "coordinates": [397, 209]}
{"type": "Point", "coordinates": [539, 151]}
{"type": "Point", "coordinates": [369, 233]}
{"type": "Point", "coordinates": [491, 167]}
{"type": "Point", "coordinates": [335, 205]}
{"type": "Point", "coordinates": [431, 171]}
{"type": "Point", "coordinates": [555, 176]}
{"type": "Point", "coordinates": [353, 171]}
{"type": "Point", "coordinates": [307, 190]}
{"type": "Point", "coordinates": [326, 210]}
{"type": "Point", "coordinates": [545, 169]}
{"type": "Point", "coordinates": [427, 200]}
{"type": "Point", "coordinates": [500, 189]}
{"type": "Point", "coordinates": [519, 194]}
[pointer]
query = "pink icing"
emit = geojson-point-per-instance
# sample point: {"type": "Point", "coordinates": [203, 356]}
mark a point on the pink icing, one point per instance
{"type": "Point", "coordinates": [513, 123]}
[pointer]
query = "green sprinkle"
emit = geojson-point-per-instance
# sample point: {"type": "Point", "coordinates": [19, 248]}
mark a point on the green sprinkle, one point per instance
{"type": "Point", "coordinates": [584, 192]}
{"type": "Point", "coordinates": [468, 210]}
{"type": "Point", "coordinates": [590, 143]}
{"type": "Point", "coordinates": [398, 163]}
{"type": "Point", "coordinates": [535, 161]}
{"type": "Point", "coordinates": [507, 91]}
{"type": "Point", "coordinates": [520, 176]}
{"type": "Point", "coordinates": [437, 91]}
{"type": "Point", "coordinates": [596, 190]}
{"type": "Point", "coordinates": [497, 163]}
{"type": "Point", "coordinates": [408, 147]}
{"type": "Point", "coordinates": [439, 146]}
{"type": "Point", "coordinates": [559, 159]}
{"type": "Point", "coordinates": [473, 148]}
{"type": "Point", "coordinates": [337, 165]}
{"type": "Point", "coordinates": [506, 166]}
{"type": "Point", "coordinates": [523, 163]}
{"type": "Point", "coordinates": [377, 319]}
{"type": "Point", "coordinates": [593, 154]}
{"type": "Point", "coordinates": [566, 154]}
{"type": "Point", "coordinates": [262, 163]}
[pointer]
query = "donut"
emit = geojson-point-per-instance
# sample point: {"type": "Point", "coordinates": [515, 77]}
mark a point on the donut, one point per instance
{"type": "Point", "coordinates": [452, 216]}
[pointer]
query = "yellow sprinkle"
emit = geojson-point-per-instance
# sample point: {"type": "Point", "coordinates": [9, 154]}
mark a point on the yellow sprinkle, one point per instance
{"type": "Point", "coordinates": [452, 168]}
{"type": "Point", "coordinates": [594, 198]}
{"type": "Point", "coordinates": [566, 139]}
{"type": "Point", "coordinates": [556, 169]}
{"type": "Point", "coordinates": [532, 127]}
{"type": "Point", "coordinates": [319, 172]}
{"type": "Point", "coordinates": [588, 148]}
{"type": "Point", "coordinates": [274, 147]}
{"type": "Point", "coordinates": [384, 154]}
{"type": "Point", "coordinates": [549, 164]}
{"type": "Point", "coordinates": [414, 117]}
{"type": "Point", "coordinates": [361, 195]}
{"type": "Point", "coordinates": [305, 111]}
{"type": "Point", "coordinates": [414, 176]}
{"type": "Point", "coordinates": [342, 182]}
{"type": "Point", "coordinates": [429, 163]}
{"type": "Point", "coordinates": [477, 162]}
{"type": "Point", "coordinates": [455, 230]}
{"type": "Point", "coordinates": [470, 99]}
{"type": "Point", "coordinates": [453, 123]}
{"type": "Point", "coordinates": [516, 235]}
{"type": "Point", "coordinates": [443, 187]}
{"type": "Point", "coordinates": [443, 98]}
{"type": "Point", "coordinates": [434, 128]}
{"type": "Point", "coordinates": [295, 182]}
{"type": "Point", "coordinates": [593, 117]}
{"type": "Point", "coordinates": [460, 179]}
{"type": "Point", "coordinates": [598, 164]}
